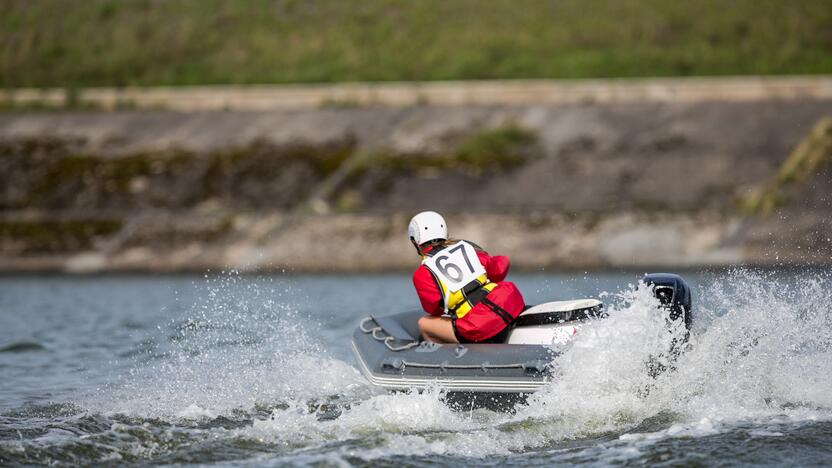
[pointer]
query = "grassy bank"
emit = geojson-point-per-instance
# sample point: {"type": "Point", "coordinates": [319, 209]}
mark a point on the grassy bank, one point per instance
{"type": "Point", "coordinates": [188, 42]}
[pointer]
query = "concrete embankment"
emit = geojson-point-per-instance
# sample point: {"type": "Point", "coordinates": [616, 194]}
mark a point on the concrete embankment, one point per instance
{"type": "Point", "coordinates": [449, 93]}
{"type": "Point", "coordinates": [570, 184]}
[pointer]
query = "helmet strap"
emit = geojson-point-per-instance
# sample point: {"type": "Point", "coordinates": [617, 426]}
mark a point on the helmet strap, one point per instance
{"type": "Point", "coordinates": [418, 250]}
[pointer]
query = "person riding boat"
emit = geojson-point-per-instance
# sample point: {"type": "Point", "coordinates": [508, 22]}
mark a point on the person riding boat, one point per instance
{"type": "Point", "coordinates": [460, 286]}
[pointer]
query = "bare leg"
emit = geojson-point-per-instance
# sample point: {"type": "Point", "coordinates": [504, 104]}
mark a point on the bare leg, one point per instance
{"type": "Point", "coordinates": [437, 329]}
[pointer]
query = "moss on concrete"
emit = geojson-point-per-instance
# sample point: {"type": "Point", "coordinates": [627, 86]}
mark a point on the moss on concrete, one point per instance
{"type": "Point", "coordinates": [48, 236]}
{"type": "Point", "coordinates": [55, 174]}
{"type": "Point", "coordinates": [499, 148]}
{"type": "Point", "coordinates": [810, 155]}
{"type": "Point", "coordinates": [367, 174]}
{"type": "Point", "coordinates": [502, 147]}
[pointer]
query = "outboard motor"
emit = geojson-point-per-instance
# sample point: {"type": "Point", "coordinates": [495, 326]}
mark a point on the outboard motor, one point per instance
{"type": "Point", "coordinates": [673, 293]}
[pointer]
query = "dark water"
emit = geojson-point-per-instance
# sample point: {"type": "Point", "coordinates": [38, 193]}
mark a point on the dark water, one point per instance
{"type": "Point", "coordinates": [257, 371]}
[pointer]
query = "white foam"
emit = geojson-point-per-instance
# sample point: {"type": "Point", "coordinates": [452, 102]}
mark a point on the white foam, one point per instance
{"type": "Point", "coordinates": [196, 412]}
{"type": "Point", "coordinates": [241, 348]}
{"type": "Point", "coordinates": [399, 418]}
{"type": "Point", "coordinates": [761, 354]}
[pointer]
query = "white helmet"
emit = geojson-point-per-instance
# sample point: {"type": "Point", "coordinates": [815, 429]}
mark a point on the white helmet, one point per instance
{"type": "Point", "coordinates": [427, 226]}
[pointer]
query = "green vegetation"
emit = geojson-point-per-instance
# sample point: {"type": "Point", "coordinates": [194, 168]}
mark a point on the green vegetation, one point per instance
{"type": "Point", "coordinates": [807, 158]}
{"type": "Point", "coordinates": [52, 173]}
{"type": "Point", "coordinates": [53, 236]}
{"type": "Point", "coordinates": [54, 43]}
{"type": "Point", "coordinates": [502, 147]}
{"type": "Point", "coordinates": [498, 147]}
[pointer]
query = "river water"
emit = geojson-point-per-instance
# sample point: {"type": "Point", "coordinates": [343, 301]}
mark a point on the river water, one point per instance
{"type": "Point", "coordinates": [256, 370]}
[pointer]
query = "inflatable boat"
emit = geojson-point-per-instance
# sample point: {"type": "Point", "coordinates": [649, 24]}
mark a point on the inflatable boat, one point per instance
{"type": "Point", "coordinates": [391, 354]}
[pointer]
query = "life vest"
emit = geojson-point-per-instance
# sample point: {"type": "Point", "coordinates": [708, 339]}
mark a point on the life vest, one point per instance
{"type": "Point", "coordinates": [460, 276]}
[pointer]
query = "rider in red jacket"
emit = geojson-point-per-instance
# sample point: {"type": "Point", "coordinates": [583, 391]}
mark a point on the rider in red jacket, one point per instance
{"type": "Point", "coordinates": [461, 287]}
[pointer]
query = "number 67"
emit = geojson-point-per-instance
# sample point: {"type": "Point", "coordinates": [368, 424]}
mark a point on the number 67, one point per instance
{"type": "Point", "coordinates": [449, 266]}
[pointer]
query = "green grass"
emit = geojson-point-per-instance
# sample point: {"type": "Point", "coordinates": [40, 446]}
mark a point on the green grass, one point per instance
{"type": "Point", "coordinates": [83, 43]}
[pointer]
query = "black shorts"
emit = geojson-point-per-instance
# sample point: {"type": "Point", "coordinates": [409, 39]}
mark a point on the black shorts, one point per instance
{"type": "Point", "coordinates": [500, 337]}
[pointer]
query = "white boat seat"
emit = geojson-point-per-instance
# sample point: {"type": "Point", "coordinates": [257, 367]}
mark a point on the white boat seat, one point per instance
{"type": "Point", "coordinates": [559, 312]}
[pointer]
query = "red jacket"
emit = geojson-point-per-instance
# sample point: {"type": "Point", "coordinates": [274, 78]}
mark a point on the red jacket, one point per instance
{"type": "Point", "coordinates": [496, 268]}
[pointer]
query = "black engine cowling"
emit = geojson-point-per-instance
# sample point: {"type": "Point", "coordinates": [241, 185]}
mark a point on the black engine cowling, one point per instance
{"type": "Point", "coordinates": [673, 293]}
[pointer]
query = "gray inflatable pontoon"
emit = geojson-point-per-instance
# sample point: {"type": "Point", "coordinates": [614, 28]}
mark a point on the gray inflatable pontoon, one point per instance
{"type": "Point", "coordinates": [391, 354]}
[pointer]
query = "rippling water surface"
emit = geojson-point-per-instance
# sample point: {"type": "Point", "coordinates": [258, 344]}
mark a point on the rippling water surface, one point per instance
{"type": "Point", "coordinates": [250, 370]}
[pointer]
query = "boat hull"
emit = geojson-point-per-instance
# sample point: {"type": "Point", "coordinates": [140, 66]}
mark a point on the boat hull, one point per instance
{"type": "Point", "coordinates": [390, 356]}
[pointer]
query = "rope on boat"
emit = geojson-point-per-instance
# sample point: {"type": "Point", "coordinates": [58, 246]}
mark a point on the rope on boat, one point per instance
{"type": "Point", "coordinates": [387, 340]}
{"type": "Point", "coordinates": [365, 330]}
